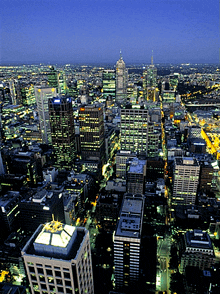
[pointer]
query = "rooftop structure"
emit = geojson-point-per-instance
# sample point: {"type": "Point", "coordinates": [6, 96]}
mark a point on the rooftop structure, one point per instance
{"type": "Point", "coordinates": [127, 240]}
{"type": "Point", "coordinates": [58, 259]}
{"type": "Point", "coordinates": [198, 251]}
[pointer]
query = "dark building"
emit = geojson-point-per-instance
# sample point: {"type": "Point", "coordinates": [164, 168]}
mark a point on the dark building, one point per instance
{"type": "Point", "coordinates": [62, 131]}
{"type": "Point", "coordinates": [136, 172]}
{"type": "Point", "coordinates": [107, 210]}
{"type": "Point", "coordinates": [9, 212]}
{"type": "Point", "coordinates": [92, 132]}
{"type": "Point", "coordinates": [206, 176]}
{"type": "Point", "coordinates": [155, 168]}
{"type": "Point", "coordinates": [40, 207]}
{"type": "Point", "coordinates": [53, 78]}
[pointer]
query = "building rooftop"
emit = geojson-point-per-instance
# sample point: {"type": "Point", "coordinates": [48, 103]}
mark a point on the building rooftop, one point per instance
{"type": "Point", "coordinates": [137, 166]}
{"type": "Point", "coordinates": [130, 222]}
{"type": "Point", "coordinates": [198, 239]}
{"type": "Point", "coordinates": [186, 161]}
{"type": "Point", "coordinates": [55, 240]}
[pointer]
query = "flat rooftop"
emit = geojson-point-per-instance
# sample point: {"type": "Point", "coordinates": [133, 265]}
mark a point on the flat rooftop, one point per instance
{"type": "Point", "coordinates": [131, 217]}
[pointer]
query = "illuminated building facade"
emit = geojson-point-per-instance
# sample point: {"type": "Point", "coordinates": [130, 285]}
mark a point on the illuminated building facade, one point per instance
{"type": "Point", "coordinates": [121, 159]}
{"type": "Point", "coordinates": [62, 131]}
{"type": "Point", "coordinates": [52, 78]}
{"type": "Point", "coordinates": [121, 80]}
{"type": "Point", "coordinates": [185, 180]}
{"type": "Point", "coordinates": [198, 251]}
{"type": "Point", "coordinates": [91, 123]}
{"type": "Point", "coordinates": [42, 95]}
{"type": "Point", "coordinates": [108, 83]}
{"type": "Point", "coordinates": [134, 130]}
{"type": "Point", "coordinates": [127, 241]}
{"type": "Point", "coordinates": [150, 81]}
{"type": "Point", "coordinates": [58, 259]}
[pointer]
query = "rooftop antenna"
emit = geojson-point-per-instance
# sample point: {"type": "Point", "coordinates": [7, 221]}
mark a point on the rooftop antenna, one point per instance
{"type": "Point", "coordinates": [152, 59]}
{"type": "Point", "coordinates": [120, 54]}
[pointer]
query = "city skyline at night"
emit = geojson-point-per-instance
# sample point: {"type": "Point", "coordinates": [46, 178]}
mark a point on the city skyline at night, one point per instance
{"type": "Point", "coordinates": [94, 31]}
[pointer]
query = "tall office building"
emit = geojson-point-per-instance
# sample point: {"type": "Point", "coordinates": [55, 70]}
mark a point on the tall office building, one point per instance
{"type": "Point", "coordinates": [121, 160]}
{"type": "Point", "coordinates": [108, 83]}
{"type": "Point", "coordinates": [134, 130]}
{"type": "Point", "coordinates": [62, 131]}
{"type": "Point", "coordinates": [58, 260]}
{"type": "Point", "coordinates": [121, 80]}
{"type": "Point", "coordinates": [91, 124]}
{"type": "Point", "coordinates": [136, 174]}
{"type": "Point", "coordinates": [150, 81]}
{"type": "Point", "coordinates": [52, 78]}
{"type": "Point", "coordinates": [127, 241]}
{"type": "Point", "coordinates": [42, 95]}
{"type": "Point", "coordinates": [185, 180]}
{"type": "Point", "coordinates": [197, 251]}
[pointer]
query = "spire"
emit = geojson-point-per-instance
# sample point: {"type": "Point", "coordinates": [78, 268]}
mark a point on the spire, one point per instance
{"type": "Point", "coordinates": [152, 59]}
{"type": "Point", "coordinates": [120, 54]}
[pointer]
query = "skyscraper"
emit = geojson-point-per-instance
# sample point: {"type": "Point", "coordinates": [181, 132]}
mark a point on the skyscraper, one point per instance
{"type": "Point", "coordinates": [53, 78]}
{"type": "Point", "coordinates": [121, 80]}
{"type": "Point", "coordinates": [127, 241]}
{"type": "Point", "coordinates": [150, 81]}
{"type": "Point", "coordinates": [91, 124]}
{"type": "Point", "coordinates": [42, 95]}
{"type": "Point", "coordinates": [58, 260]}
{"type": "Point", "coordinates": [108, 83]}
{"type": "Point", "coordinates": [134, 130]}
{"type": "Point", "coordinates": [185, 180]}
{"type": "Point", "coordinates": [62, 131]}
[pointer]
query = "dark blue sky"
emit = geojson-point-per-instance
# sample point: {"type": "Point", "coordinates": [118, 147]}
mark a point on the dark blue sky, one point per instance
{"type": "Point", "coordinates": [85, 31]}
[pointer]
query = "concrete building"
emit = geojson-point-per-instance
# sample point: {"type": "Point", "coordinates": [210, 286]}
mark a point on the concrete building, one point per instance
{"type": "Point", "coordinates": [121, 159]}
{"type": "Point", "coordinates": [121, 80]}
{"type": "Point", "coordinates": [197, 251]}
{"type": "Point", "coordinates": [58, 259]}
{"type": "Point", "coordinates": [185, 180]}
{"type": "Point", "coordinates": [42, 95]}
{"type": "Point", "coordinates": [134, 130]}
{"type": "Point", "coordinates": [136, 173]}
{"type": "Point", "coordinates": [127, 241]}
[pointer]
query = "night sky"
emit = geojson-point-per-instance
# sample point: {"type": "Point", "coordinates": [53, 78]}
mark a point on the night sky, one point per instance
{"type": "Point", "coordinates": [94, 31]}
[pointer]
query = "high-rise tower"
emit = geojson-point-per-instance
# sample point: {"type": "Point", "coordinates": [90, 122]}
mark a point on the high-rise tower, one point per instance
{"type": "Point", "coordinates": [91, 124]}
{"type": "Point", "coordinates": [127, 241]}
{"type": "Point", "coordinates": [121, 80]}
{"type": "Point", "coordinates": [150, 81]}
{"type": "Point", "coordinates": [108, 81]}
{"type": "Point", "coordinates": [62, 131]}
{"type": "Point", "coordinates": [58, 260]}
{"type": "Point", "coordinates": [53, 78]}
{"type": "Point", "coordinates": [185, 180]}
{"type": "Point", "coordinates": [134, 130]}
{"type": "Point", "coordinates": [42, 95]}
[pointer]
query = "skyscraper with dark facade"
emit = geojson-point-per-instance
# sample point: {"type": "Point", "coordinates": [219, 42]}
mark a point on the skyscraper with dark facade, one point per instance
{"type": "Point", "coordinates": [62, 131]}
{"type": "Point", "coordinates": [52, 78]}
{"type": "Point", "coordinates": [108, 83]}
{"type": "Point", "coordinates": [150, 81]}
{"type": "Point", "coordinates": [121, 80]}
{"type": "Point", "coordinates": [91, 124]}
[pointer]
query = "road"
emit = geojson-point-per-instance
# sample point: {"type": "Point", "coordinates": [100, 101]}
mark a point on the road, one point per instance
{"type": "Point", "coordinates": [163, 274]}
